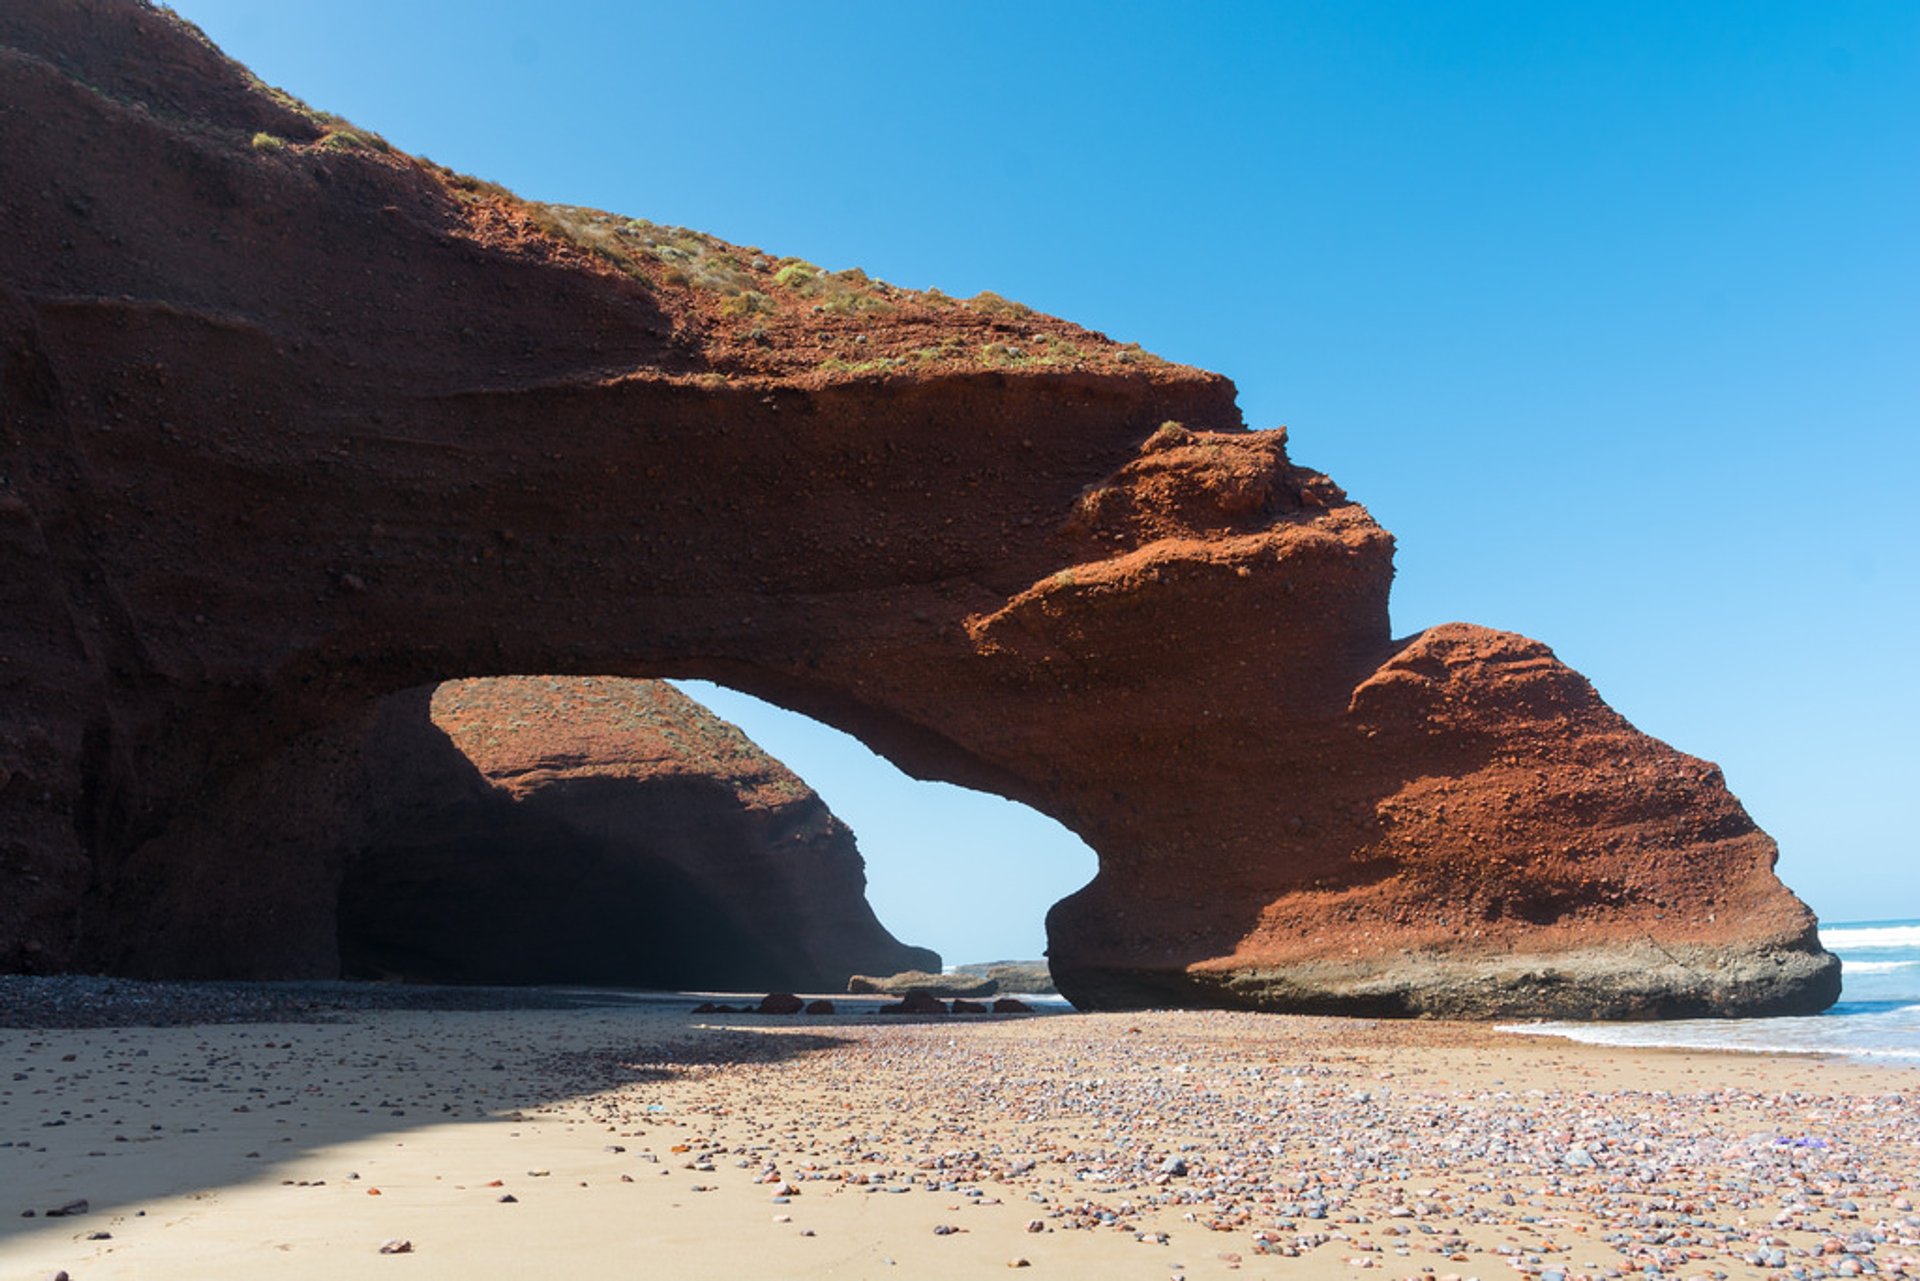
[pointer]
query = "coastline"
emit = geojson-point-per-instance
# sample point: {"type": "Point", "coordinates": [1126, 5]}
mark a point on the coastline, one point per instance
{"type": "Point", "coordinates": [1846, 1033]}
{"type": "Point", "coordinates": [634, 1136]}
{"type": "Point", "coordinates": [1876, 1019]}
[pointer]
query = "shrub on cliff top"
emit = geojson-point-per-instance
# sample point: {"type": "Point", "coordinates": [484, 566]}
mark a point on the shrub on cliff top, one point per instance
{"type": "Point", "coordinates": [988, 303]}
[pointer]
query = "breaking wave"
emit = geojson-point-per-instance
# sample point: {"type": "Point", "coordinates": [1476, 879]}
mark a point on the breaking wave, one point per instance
{"type": "Point", "coordinates": [1854, 938]}
{"type": "Point", "coordinates": [1864, 1031]}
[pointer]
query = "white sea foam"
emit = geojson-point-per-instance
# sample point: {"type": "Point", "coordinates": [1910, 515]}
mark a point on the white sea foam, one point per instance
{"type": "Point", "coordinates": [1848, 938]}
{"type": "Point", "coordinates": [1885, 1034]}
{"type": "Point", "coordinates": [1878, 1016]}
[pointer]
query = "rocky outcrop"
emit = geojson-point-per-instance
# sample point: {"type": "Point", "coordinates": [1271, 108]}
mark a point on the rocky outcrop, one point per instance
{"type": "Point", "coordinates": [293, 422]}
{"type": "Point", "coordinates": [1014, 976]}
{"type": "Point", "coordinates": [908, 982]}
{"type": "Point", "coordinates": [596, 831]}
{"type": "Point", "coordinates": [1474, 833]}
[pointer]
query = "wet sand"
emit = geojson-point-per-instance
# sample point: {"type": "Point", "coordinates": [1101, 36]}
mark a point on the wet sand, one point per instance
{"type": "Point", "coordinates": [641, 1140]}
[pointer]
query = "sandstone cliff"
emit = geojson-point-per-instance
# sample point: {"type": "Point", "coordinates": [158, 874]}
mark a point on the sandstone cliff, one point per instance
{"type": "Point", "coordinates": [294, 422]}
{"type": "Point", "coordinates": [596, 831]}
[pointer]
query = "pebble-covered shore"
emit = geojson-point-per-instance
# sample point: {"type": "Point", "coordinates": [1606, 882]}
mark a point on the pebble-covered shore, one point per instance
{"type": "Point", "coordinates": [1157, 1146]}
{"type": "Point", "coordinates": [1242, 1136]}
{"type": "Point", "coordinates": [77, 1000]}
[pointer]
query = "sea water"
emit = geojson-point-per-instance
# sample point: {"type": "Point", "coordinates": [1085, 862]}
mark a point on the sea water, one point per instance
{"type": "Point", "coordinates": [1877, 1016]}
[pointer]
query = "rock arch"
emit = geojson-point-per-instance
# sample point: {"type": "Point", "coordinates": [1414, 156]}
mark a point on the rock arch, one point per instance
{"type": "Point", "coordinates": [295, 424]}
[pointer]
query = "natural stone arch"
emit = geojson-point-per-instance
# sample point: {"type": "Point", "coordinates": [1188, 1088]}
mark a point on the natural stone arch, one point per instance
{"type": "Point", "coordinates": [293, 428]}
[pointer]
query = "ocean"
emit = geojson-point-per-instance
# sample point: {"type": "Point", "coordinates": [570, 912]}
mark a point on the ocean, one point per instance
{"type": "Point", "coordinates": [1877, 1017]}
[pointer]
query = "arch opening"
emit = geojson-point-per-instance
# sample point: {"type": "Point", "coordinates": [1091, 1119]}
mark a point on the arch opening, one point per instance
{"type": "Point", "coordinates": [618, 832]}
{"type": "Point", "coordinates": [968, 872]}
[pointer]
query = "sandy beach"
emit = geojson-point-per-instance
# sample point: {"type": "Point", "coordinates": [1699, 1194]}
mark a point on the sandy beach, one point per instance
{"type": "Point", "coordinates": [640, 1140]}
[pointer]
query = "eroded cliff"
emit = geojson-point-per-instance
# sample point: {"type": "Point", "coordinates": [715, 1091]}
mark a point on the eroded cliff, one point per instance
{"type": "Point", "coordinates": [583, 830]}
{"type": "Point", "coordinates": [294, 422]}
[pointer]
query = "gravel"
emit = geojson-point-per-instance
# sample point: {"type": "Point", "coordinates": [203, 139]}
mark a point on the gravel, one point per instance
{"type": "Point", "coordinates": [80, 1001]}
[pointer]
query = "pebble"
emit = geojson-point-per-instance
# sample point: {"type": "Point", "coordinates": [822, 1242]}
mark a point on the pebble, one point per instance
{"type": "Point", "coordinates": [1277, 1137]}
{"type": "Point", "coordinates": [82, 1001]}
{"type": "Point", "coordinates": [395, 1245]}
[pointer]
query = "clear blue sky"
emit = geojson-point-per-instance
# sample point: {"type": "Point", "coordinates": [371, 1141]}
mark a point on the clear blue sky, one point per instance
{"type": "Point", "coordinates": [1608, 311]}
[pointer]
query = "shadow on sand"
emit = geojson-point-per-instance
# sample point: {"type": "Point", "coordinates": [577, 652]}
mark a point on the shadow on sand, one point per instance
{"type": "Point", "coordinates": [123, 1116]}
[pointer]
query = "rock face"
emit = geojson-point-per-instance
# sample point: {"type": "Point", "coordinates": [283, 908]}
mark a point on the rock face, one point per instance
{"type": "Point", "coordinates": [293, 422]}
{"type": "Point", "coordinates": [541, 829]}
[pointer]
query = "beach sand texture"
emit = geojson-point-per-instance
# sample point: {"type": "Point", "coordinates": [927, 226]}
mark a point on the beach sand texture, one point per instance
{"type": "Point", "coordinates": [640, 1141]}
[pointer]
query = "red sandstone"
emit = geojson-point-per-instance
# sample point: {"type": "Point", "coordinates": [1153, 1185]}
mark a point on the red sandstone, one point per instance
{"type": "Point", "coordinates": [291, 427]}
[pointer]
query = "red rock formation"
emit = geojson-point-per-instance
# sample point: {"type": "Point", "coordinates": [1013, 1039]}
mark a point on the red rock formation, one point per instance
{"type": "Point", "coordinates": [595, 831]}
{"type": "Point", "coordinates": [293, 422]}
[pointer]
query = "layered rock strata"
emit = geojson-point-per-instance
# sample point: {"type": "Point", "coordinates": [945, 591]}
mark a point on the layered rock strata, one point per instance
{"type": "Point", "coordinates": [293, 422]}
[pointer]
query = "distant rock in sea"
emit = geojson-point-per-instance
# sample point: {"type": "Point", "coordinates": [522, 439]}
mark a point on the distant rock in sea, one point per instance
{"type": "Point", "coordinates": [1014, 976]}
{"type": "Point", "coordinates": [920, 982]}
